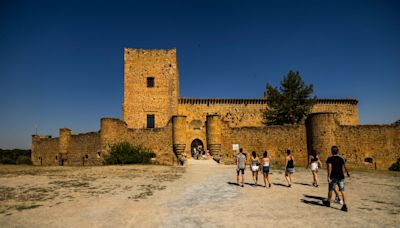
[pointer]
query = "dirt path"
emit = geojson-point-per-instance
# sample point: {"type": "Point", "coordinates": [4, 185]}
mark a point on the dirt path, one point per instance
{"type": "Point", "coordinates": [206, 196]}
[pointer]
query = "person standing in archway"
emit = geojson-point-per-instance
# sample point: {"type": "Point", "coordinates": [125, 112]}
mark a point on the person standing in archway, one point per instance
{"type": "Point", "coordinates": [240, 165]}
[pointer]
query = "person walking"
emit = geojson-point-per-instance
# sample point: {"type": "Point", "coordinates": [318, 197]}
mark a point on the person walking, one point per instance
{"type": "Point", "coordinates": [240, 165]}
{"type": "Point", "coordinates": [265, 165]}
{"type": "Point", "coordinates": [314, 163]}
{"type": "Point", "coordinates": [289, 168]}
{"type": "Point", "coordinates": [336, 190]}
{"type": "Point", "coordinates": [335, 166]}
{"type": "Point", "coordinates": [255, 166]}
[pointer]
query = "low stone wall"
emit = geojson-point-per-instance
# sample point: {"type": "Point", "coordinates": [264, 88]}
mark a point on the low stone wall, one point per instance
{"type": "Point", "coordinates": [91, 148]}
{"type": "Point", "coordinates": [363, 146]}
{"type": "Point", "coordinates": [84, 149]}
{"type": "Point", "coordinates": [44, 150]}
{"type": "Point", "coordinates": [81, 149]}
{"type": "Point", "coordinates": [158, 140]}
{"type": "Point", "coordinates": [274, 139]}
{"type": "Point", "coordinates": [369, 146]}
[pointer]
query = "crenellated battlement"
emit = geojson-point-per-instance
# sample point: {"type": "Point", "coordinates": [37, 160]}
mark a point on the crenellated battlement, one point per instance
{"type": "Point", "coordinates": [185, 100]}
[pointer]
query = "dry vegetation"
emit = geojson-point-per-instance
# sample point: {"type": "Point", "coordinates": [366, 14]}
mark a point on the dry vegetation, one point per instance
{"type": "Point", "coordinates": [28, 187]}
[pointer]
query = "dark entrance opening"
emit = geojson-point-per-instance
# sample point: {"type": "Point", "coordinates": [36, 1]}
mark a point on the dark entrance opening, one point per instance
{"type": "Point", "coordinates": [61, 159]}
{"type": "Point", "coordinates": [197, 148]}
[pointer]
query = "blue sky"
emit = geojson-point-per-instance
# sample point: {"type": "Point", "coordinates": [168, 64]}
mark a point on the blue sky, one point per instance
{"type": "Point", "coordinates": [61, 62]}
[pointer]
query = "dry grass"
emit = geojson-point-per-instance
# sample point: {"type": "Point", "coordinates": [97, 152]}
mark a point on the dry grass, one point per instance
{"type": "Point", "coordinates": [29, 187]}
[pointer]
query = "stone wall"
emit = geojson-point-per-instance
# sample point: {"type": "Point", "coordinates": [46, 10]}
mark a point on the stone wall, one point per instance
{"type": "Point", "coordinates": [346, 110]}
{"type": "Point", "coordinates": [84, 149]}
{"type": "Point", "coordinates": [370, 145]}
{"type": "Point", "coordinates": [140, 100]}
{"type": "Point", "coordinates": [274, 139]}
{"type": "Point", "coordinates": [81, 149]}
{"type": "Point", "coordinates": [236, 112]}
{"type": "Point", "coordinates": [44, 150]}
{"type": "Point", "coordinates": [158, 140]}
{"type": "Point", "coordinates": [248, 112]}
{"type": "Point", "coordinates": [364, 146]}
{"type": "Point", "coordinates": [239, 113]}
{"type": "Point", "coordinates": [90, 148]}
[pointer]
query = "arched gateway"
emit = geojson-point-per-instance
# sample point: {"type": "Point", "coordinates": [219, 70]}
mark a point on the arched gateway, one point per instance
{"type": "Point", "coordinates": [196, 146]}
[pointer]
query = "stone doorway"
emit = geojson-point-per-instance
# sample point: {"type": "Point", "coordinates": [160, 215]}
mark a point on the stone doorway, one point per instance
{"type": "Point", "coordinates": [62, 159]}
{"type": "Point", "coordinates": [196, 148]}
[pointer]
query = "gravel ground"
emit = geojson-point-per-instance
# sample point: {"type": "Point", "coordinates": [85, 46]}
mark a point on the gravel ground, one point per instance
{"type": "Point", "coordinates": [203, 194]}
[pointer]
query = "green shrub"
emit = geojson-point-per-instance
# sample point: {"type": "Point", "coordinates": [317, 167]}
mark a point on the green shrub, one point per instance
{"type": "Point", "coordinates": [10, 156]}
{"type": "Point", "coordinates": [7, 161]}
{"type": "Point", "coordinates": [24, 160]}
{"type": "Point", "coordinates": [125, 153]}
{"type": "Point", "coordinates": [395, 166]}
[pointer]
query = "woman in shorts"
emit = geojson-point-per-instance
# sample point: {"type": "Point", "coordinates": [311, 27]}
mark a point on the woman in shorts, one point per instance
{"type": "Point", "coordinates": [314, 163]}
{"type": "Point", "coordinates": [289, 168]}
{"type": "Point", "coordinates": [265, 167]}
{"type": "Point", "coordinates": [255, 162]}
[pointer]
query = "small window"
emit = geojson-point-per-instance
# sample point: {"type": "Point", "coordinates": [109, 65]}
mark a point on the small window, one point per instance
{"type": "Point", "coordinates": [56, 158]}
{"type": "Point", "coordinates": [150, 121]}
{"type": "Point", "coordinates": [98, 154]}
{"type": "Point", "coordinates": [86, 156]}
{"type": "Point", "coordinates": [150, 82]}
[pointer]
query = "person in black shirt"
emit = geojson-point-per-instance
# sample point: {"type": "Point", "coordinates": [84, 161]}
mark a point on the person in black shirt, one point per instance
{"type": "Point", "coordinates": [335, 165]}
{"type": "Point", "coordinates": [289, 168]}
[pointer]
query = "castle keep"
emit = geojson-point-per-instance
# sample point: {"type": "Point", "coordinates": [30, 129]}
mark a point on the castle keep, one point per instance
{"type": "Point", "coordinates": [156, 117]}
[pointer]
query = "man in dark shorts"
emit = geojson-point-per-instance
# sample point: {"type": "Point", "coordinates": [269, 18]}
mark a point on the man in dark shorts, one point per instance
{"type": "Point", "coordinates": [240, 165]}
{"type": "Point", "coordinates": [335, 165]}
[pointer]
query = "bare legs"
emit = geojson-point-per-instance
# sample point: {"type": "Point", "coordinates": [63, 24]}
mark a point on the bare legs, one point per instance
{"type": "Point", "coordinates": [315, 178]}
{"type": "Point", "coordinates": [242, 180]}
{"type": "Point", "coordinates": [343, 196]}
{"type": "Point", "coordinates": [288, 177]}
{"type": "Point", "coordinates": [266, 179]}
{"type": "Point", "coordinates": [255, 177]}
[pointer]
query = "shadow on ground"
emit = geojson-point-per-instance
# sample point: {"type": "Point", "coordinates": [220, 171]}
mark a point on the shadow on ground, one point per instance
{"type": "Point", "coordinates": [282, 185]}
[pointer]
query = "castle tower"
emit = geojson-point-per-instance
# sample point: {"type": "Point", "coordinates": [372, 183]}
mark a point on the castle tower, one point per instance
{"type": "Point", "coordinates": [214, 137]}
{"type": "Point", "coordinates": [65, 139]}
{"type": "Point", "coordinates": [179, 135]}
{"type": "Point", "coordinates": [321, 129]}
{"type": "Point", "coordinates": [151, 87]}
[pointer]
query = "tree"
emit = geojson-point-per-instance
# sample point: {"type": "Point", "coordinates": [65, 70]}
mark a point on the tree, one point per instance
{"type": "Point", "coordinates": [289, 104]}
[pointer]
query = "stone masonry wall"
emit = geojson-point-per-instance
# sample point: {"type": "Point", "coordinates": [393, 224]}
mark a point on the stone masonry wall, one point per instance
{"type": "Point", "coordinates": [235, 114]}
{"type": "Point", "coordinates": [44, 150]}
{"type": "Point", "coordinates": [379, 142]}
{"type": "Point", "coordinates": [274, 139]}
{"type": "Point", "coordinates": [346, 112]}
{"type": "Point", "coordinates": [90, 148]}
{"type": "Point", "coordinates": [248, 112]}
{"type": "Point", "coordinates": [140, 100]}
{"type": "Point", "coordinates": [158, 140]}
{"type": "Point", "coordinates": [84, 149]}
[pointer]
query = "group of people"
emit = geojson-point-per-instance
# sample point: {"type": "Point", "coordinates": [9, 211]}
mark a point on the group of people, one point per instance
{"type": "Point", "coordinates": [200, 153]}
{"type": "Point", "coordinates": [335, 165]}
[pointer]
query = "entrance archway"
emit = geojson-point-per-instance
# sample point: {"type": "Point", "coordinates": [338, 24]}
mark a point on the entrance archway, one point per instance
{"type": "Point", "coordinates": [196, 148]}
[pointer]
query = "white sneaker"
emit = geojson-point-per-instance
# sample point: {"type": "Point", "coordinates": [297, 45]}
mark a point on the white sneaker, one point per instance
{"type": "Point", "coordinates": [341, 202]}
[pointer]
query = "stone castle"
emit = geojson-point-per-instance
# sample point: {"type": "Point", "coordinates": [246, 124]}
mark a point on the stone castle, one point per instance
{"type": "Point", "coordinates": [156, 117]}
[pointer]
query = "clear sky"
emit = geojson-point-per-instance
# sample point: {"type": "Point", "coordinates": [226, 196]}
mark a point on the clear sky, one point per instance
{"type": "Point", "coordinates": [61, 62]}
